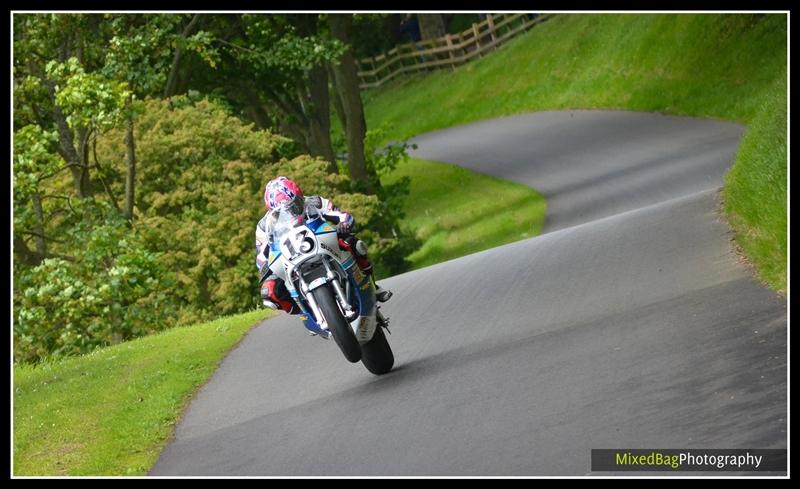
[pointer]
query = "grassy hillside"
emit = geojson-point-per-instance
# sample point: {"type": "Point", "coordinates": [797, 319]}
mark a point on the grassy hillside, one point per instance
{"type": "Point", "coordinates": [706, 65]}
{"type": "Point", "coordinates": [450, 213]}
{"type": "Point", "coordinates": [111, 412]}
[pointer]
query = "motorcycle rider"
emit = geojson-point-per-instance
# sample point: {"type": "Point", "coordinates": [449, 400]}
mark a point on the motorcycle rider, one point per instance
{"type": "Point", "coordinates": [283, 192]}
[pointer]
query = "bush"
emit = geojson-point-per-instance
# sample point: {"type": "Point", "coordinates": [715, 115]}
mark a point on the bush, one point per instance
{"type": "Point", "coordinates": [113, 289]}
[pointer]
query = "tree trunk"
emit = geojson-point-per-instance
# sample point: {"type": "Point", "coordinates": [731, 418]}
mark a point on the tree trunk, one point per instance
{"type": "Point", "coordinates": [431, 26]}
{"type": "Point", "coordinates": [172, 80]}
{"type": "Point", "coordinates": [101, 175]}
{"type": "Point", "coordinates": [66, 148]}
{"type": "Point", "coordinates": [253, 106]}
{"type": "Point", "coordinates": [294, 123]}
{"type": "Point", "coordinates": [346, 81]}
{"type": "Point", "coordinates": [25, 254]}
{"type": "Point", "coordinates": [314, 100]}
{"type": "Point", "coordinates": [41, 245]}
{"type": "Point", "coordinates": [319, 112]}
{"type": "Point", "coordinates": [337, 100]}
{"type": "Point", "coordinates": [130, 177]}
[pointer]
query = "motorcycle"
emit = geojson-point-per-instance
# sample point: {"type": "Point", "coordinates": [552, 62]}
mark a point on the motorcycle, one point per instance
{"type": "Point", "coordinates": [336, 298]}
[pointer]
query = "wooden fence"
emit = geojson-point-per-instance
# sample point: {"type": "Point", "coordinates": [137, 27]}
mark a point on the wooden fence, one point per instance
{"type": "Point", "coordinates": [447, 51]}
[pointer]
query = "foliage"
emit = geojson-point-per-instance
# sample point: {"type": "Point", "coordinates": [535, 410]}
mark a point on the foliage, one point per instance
{"type": "Point", "coordinates": [201, 174]}
{"type": "Point", "coordinates": [202, 177]}
{"type": "Point", "coordinates": [375, 34]}
{"type": "Point", "coordinates": [395, 242]}
{"type": "Point", "coordinates": [34, 159]}
{"type": "Point", "coordinates": [89, 99]}
{"type": "Point", "coordinates": [114, 289]}
{"type": "Point", "coordinates": [278, 46]}
{"type": "Point", "coordinates": [458, 23]}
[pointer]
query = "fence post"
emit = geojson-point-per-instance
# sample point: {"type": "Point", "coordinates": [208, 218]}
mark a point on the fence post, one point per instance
{"type": "Point", "coordinates": [450, 50]}
{"type": "Point", "coordinates": [490, 21]}
{"type": "Point", "coordinates": [477, 40]}
{"type": "Point", "coordinates": [372, 69]}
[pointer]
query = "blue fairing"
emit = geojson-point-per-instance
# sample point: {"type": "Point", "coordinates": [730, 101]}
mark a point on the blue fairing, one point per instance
{"type": "Point", "coordinates": [320, 226]}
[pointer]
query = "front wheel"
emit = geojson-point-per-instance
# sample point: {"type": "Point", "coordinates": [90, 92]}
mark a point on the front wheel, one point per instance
{"type": "Point", "coordinates": [377, 355]}
{"type": "Point", "coordinates": [342, 333]}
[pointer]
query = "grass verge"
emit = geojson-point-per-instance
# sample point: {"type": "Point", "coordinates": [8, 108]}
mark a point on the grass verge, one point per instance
{"type": "Point", "coordinates": [455, 212]}
{"type": "Point", "coordinates": [112, 411]}
{"type": "Point", "coordinates": [755, 192]}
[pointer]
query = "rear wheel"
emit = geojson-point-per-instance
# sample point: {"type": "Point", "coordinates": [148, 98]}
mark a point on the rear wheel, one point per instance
{"type": "Point", "coordinates": [376, 354]}
{"type": "Point", "coordinates": [342, 333]}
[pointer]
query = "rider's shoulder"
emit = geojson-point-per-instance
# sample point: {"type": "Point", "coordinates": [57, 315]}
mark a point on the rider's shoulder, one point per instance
{"type": "Point", "coordinates": [314, 199]}
{"type": "Point", "coordinates": [319, 202]}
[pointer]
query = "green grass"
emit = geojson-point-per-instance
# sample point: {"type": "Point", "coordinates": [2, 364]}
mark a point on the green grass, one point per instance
{"type": "Point", "coordinates": [112, 411]}
{"type": "Point", "coordinates": [451, 214]}
{"type": "Point", "coordinates": [704, 65]}
{"type": "Point", "coordinates": [756, 186]}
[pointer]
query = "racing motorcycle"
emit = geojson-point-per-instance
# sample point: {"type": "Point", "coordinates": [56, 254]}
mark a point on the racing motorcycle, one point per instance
{"type": "Point", "coordinates": [336, 298]}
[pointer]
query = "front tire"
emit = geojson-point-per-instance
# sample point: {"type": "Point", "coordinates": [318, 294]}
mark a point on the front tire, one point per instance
{"type": "Point", "coordinates": [342, 333]}
{"type": "Point", "coordinates": [376, 354]}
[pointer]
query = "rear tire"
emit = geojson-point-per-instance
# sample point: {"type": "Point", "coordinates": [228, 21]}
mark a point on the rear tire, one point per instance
{"type": "Point", "coordinates": [376, 354]}
{"type": "Point", "coordinates": [340, 328]}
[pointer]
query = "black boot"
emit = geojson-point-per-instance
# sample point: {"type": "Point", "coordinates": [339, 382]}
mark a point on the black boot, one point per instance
{"type": "Point", "coordinates": [381, 294]}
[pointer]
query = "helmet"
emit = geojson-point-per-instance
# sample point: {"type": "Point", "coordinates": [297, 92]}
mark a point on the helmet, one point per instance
{"type": "Point", "coordinates": [282, 191]}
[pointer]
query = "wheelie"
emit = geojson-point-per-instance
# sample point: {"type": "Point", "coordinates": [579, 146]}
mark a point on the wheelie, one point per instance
{"type": "Point", "coordinates": [311, 264]}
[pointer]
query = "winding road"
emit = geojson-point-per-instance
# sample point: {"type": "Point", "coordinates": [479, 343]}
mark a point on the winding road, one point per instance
{"type": "Point", "coordinates": [629, 323]}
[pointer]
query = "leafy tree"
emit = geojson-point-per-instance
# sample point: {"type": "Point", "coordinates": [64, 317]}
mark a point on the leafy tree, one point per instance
{"type": "Point", "coordinates": [113, 290]}
{"type": "Point", "coordinates": [34, 162]}
{"type": "Point", "coordinates": [375, 34]}
{"type": "Point", "coordinates": [272, 67]}
{"type": "Point", "coordinates": [76, 78]}
{"type": "Point", "coordinates": [202, 172]}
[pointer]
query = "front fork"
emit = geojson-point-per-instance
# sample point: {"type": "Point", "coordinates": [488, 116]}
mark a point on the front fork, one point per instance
{"type": "Point", "coordinates": [332, 278]}
{"type": "Point", "coordinates": [341, 297]}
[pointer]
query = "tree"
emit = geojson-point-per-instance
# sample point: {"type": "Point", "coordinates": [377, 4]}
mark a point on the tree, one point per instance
{"type": "Point", "coordinates": [46, 40]}
{"type": "Point", "coordinates": [431, 26]}
{"type": "Point", "coordinates": [139, 54]}
{"type": "Point", "coordinates": [346, 82]}
{"type": "Point", "coordinates": [273, 69]}
{"type": "Point", "coordinates": [76, 78]}
{"type": "Point", "coordinates": [34, 162]}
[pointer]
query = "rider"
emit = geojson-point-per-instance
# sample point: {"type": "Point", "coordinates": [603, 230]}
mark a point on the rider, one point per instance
{"type": "Point", "coordinates": [284, 192]}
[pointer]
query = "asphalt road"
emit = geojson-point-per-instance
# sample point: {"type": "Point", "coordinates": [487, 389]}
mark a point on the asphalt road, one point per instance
{"type": "Point", "coordinates": [629, 323]}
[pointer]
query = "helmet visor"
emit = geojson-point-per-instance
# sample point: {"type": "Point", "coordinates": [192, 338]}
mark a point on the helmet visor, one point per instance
{"type": "Point", "coordinates": [294, 206]}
